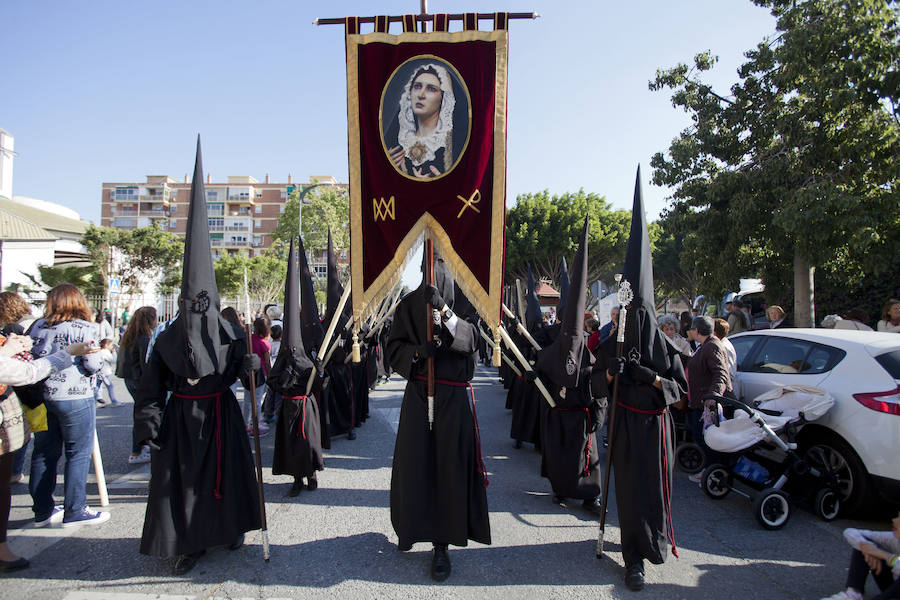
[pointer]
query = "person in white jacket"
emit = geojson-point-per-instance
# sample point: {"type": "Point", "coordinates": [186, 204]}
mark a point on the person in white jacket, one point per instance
{"type": "Point", "coordinates": [14, 372]}
{"type": "Point", "coordinates": [876, 553]}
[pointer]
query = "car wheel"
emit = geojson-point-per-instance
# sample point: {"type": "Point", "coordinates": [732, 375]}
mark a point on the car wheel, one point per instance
{"type": "Point", "coordinates": [689, 458]}
{"type": "Point", "coordinates": [833, 456]}
{"type": "Point", "coordinates": [772, 508]}
{"type": "Point", "coordinates": [716, 481]}
{"type": "Point", "coordinates": [827, 504]}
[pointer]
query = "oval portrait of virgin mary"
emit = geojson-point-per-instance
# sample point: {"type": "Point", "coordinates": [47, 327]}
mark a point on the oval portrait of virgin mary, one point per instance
{"type": "Point", "coordinates": [425, 117]}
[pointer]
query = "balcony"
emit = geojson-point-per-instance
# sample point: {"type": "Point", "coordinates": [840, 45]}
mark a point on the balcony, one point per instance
{"type": "Point", "coordinates": [126, 211]}
{"type": "Point", "coordinates": [155, 198]}
{"type": "Point", "coordinates": [243, 212]}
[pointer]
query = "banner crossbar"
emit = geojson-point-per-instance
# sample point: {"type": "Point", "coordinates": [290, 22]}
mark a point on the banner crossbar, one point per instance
{"type": "Point", "coordinates": [427, 18]}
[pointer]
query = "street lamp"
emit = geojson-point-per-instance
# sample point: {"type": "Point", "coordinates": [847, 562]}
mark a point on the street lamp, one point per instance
{"type": "Point", "coordinates": [305, 190]}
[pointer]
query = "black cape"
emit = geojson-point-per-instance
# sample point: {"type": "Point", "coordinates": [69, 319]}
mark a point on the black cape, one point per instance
{"type": "Point", "coordinates": [569, 453]}
{"type": "Point", "coordinates": [203, 489]}
{"type": "Point", "coordinates": [437, 483]}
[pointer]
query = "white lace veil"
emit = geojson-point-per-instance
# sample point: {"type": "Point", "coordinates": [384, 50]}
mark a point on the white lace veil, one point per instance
{"type": "Point", "coordinates": [442, 134]}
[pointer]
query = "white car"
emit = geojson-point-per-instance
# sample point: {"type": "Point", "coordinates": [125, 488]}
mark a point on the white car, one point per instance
{"type": "Point", "coordinates": [859, 437]}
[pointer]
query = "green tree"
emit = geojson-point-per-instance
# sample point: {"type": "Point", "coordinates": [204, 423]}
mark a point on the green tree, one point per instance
{"type": "Point", "coordinates": [324, 208]}
{"type": "Point", "coordinates": [266, 274]}
{"type": "Point", "coordinates": [88, 279]}
{"type": "Point", "coordinates": [541, 228]}
{"type": "Point", "coordinates": [136, 253]}
{"type": "Point", "coordinates": [797, 167]}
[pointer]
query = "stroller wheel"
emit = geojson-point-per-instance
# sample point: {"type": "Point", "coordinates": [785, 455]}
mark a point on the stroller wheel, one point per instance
{"type": "Point", "coordinates": [827, 504]}
{"type": "Point", "coordinates": [772, 508]}
{"type": "Point", "coordinates": [716, 481]}
{"type": "Point", "coordinates": [689, 458]}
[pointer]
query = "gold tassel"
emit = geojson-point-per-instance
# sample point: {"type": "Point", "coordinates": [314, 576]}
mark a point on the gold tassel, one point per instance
{"type": "Point", "coordinates": [496, 358]}
{"type": "Point", "coordinates": [355, 352]}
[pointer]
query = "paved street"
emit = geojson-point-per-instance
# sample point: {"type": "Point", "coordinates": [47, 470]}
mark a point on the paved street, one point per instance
{"type": "Point", "coordinates": [337, 542]}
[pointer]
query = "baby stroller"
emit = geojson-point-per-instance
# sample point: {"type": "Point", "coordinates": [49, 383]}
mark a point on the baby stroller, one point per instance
{"type": "Point", "coordinates": [760, 461]}
{"type": "Point", "coordinates": [688, 454]}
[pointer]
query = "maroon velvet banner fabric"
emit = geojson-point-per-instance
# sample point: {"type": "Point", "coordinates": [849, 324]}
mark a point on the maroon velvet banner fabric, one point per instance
{"type": "Point", "coordinates": [469, 233]}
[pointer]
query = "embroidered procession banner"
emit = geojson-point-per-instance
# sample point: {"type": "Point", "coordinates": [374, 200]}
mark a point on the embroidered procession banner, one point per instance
{"type": "Point", "coordinates": [427, 150]}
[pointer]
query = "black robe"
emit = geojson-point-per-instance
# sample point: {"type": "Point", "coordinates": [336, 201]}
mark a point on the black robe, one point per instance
{"type": "Point", "coordinates": [203, 489]}
{"type": "Point", "coordinates": [643, 458]}
{"type": "Point", "coordinates": [437, 483]}
{"type": "Point", "coordinates": [569, 455]}
{"type": "Point", "coordinates": [341, 407]}
{"type": "Point", "coordinates": [298, 442]}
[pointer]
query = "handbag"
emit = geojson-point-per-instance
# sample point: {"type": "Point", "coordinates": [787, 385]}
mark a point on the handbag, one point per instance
{"type": "Point", "coordinates": [36, 417]}
{"type": "Point", "coordinates": [31, 395]}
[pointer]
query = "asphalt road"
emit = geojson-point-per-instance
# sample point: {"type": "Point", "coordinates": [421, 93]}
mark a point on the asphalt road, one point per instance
{"type": "Point", "coordinates": [337, 542]}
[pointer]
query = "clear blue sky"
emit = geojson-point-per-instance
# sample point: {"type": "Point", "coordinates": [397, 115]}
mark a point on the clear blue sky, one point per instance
{"type": "Point", "coordinates": [114, 91]}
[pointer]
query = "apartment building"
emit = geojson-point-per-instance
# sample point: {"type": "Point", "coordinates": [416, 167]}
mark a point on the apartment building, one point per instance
{"type": "Point", "coordinates": [242, 212]}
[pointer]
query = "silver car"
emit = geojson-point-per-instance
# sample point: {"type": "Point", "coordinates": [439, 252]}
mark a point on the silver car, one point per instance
{"type": "Point", "coordinates": [859, 438]}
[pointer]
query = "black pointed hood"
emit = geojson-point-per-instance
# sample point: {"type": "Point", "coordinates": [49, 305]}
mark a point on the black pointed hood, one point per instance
{"type": "Point", "coordinates": [443, 280]}
{"type": "Point", "coordinates": [643, 338]}
{"type": "Point", "coordinates": [312, 330]}
{"type": "Point", "coordinates": [291, 369]}
{"type": "Point", "coordinates": [563, 287]}
{"type": "Point", "coordinates": [335, 289]}
{"type": "Point", "coordinates": [196, 344]}
{"type": "Point", "coordinates": [562, 361]}
{"type": "Point", "coordinates": [533, 316]}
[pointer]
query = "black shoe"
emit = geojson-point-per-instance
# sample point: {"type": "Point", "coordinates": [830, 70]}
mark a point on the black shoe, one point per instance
{"type": "Point", "coordinates": [440, 563]}
{"type": "Point", "coordinates": [8, 566]}
{"type": "Point", "coordinates": [312, 483]}
{"type": "Point", "coordinates": [237, 543]}
{"type": "Point", "coordinates": [404, 546]}
{"type": "Point", "coordinates": [593, 505]}
{"type": "Point", "coordinates": [634, 577]}
{"type": "Point", "coordinates": [295, 488]}
{"type": "Point", "coordinates": [517, 444]}
{"type": "Point", "coordinates": [351, 435]}
{"type": "Point", "coordinates": [186, 562]}
{"type": "Point", "coordinates": [558, 499]}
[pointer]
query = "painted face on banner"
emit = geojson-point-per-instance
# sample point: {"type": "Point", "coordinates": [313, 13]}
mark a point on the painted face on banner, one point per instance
{"type": "Point", "coordinates": [425, 96]}
{"type": "Point", "coordinates": [425, 118]}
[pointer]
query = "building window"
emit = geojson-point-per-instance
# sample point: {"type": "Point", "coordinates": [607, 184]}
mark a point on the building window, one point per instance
{"type": "Point", "coordinates": [173, 223]}
{"type": "Point", "coordinates": [281, 209]}
{"type": "Point", "coordinates": [257, 209]}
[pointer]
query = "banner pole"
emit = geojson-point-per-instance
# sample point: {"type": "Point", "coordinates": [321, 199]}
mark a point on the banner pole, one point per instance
{"type": "Point", "coordinates": [429, 278]}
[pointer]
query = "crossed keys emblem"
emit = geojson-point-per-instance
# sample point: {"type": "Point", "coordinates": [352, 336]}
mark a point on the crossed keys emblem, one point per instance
{"type": "Point", "coordinates": [474, 199]}
{"type": "Point", "coordinates": [383, 208]}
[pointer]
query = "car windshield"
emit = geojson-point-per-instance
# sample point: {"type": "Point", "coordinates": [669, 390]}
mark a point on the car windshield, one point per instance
{"type": "Point", "coordinates": [891, 362]}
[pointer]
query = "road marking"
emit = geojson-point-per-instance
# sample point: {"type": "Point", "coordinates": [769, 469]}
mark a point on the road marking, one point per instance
{"type": "Point", "coordinates": [138, 478]}
{"type": "Point", "coordinates": [79, 595]}
{"type": "Point", "coordinates": [391, 416]}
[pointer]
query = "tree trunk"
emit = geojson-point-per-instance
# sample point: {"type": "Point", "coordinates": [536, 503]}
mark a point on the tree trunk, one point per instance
{"type": "Point", "coordinates": [804, 291]}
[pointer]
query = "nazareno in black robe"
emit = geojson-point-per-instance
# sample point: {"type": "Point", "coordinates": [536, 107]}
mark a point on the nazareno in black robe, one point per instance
{"type": "Point", "coordinates": [569, 454]}
{"type": "Point", "coordinates": [438, 481]}
{"type": "Point", "coordinates": [643, 446]}
{"type": "Point", "coordinates": [298, 435]}
{"type": "Point", "coordinates": [203, 489]}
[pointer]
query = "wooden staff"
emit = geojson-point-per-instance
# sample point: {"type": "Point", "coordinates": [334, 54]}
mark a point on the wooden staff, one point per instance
{"type": "Point", "coordinates": [625, 297]}
{"type": "Point", "coordinates": [323, 349]}
{"type": "Point", "coordinates": [259, 474]}
{"type": "Point", "coordinates": [526, 365]}
{"type": "Point", "coordinates": [521, 328]}
{"type": "Point", "coordinates": [510, 363]}
{"type": "Point", "coordinates": [429, 279]}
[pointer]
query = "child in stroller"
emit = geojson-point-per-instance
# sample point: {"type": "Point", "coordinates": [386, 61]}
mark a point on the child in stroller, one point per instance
{"type": "Point", "coordinates": [759, 452]}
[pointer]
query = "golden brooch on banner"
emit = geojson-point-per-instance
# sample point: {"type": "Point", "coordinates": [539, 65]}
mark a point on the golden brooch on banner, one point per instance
{"type": "Point", "coordinates": [417, 152]}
